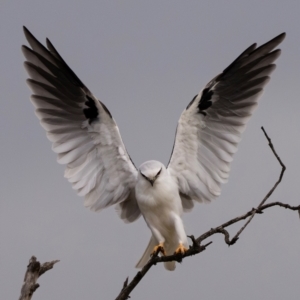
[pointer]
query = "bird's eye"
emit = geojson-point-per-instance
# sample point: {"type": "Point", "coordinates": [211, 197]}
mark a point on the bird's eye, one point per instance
{"type": "Point", "coordinates": [158, 172]}
{"type": "Point", "coordinates": [143, 175]}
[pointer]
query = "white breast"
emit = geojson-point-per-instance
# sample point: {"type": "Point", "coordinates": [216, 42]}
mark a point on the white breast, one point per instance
{"type": "Point", "coordinates": [160, 202]}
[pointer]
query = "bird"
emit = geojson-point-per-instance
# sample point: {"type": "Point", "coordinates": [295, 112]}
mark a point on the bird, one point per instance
{"type": "Point", "coordinates": [87, 140]}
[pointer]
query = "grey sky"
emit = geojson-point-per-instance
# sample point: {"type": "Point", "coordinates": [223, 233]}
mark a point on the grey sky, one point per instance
{"type": "Point", "coordinates": [146, 61]}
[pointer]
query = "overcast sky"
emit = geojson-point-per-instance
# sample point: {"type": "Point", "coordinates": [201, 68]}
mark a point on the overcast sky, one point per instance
{"type": "Point", "coordinates": [146, 60]}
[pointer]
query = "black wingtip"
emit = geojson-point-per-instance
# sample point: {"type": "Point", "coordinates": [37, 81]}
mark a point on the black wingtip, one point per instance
{"type": "Point", "coordinates": [29, 36]}
{"type": "Point", "coordinates": [51, 47]}
{"type": "Point", "coordinates": [276, 40]}
{"type": "Point", "coordinates": [24, 48]}
{"type": "Point", "coordinates": [280, 37]}
{"type": "Point", "coordinates": [270, 45]}
{"type": "Point", "coordinates": [26, 31]}
{"type": "Point", "coordinates": [282, 34]}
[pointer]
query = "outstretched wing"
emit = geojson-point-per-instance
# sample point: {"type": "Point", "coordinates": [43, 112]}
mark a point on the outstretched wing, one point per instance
{"type": "Point", "coordinates": [82, 130]}
{"type": "Point", "coordinates": [210, 128]}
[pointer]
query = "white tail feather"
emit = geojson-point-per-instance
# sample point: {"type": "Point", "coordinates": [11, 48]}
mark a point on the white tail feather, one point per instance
{"type": "Point", "coordinates": [146, 256]}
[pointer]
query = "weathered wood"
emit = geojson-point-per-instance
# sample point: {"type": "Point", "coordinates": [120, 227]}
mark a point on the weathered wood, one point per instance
{"type": "Point", "coordinates": [33, 272]}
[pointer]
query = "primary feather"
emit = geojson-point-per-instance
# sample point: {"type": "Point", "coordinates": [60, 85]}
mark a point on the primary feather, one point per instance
{"type": "Point", "coordinates": [210, 128]}
{"type": "Point", "coordinates": [82, 131]}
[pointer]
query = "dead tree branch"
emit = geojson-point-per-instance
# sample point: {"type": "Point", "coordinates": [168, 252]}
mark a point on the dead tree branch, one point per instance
{"type": "Point", "coordinates": [196, 246]}
{"type": "Point", "coordinates": [283, 168]}
{"type": "Point", "coordinates": [33, 272]}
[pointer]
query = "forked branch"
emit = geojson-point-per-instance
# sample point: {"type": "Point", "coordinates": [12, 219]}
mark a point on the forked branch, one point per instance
{"type": "Point", "coordinates": [33, 272]}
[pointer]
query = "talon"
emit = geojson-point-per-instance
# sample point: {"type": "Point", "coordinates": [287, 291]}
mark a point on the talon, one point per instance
{"type": "Point", "coordinates": [159, 248]}
{"type": "Point", "coordinates": [180, 249]}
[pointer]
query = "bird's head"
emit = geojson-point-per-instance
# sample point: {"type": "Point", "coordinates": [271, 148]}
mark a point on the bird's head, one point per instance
{"type": "Point", "coordinates": [151, 170]}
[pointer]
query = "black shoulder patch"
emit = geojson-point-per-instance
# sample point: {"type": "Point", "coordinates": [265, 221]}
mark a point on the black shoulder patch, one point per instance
{"type": "Point", "coordinates": [205, 101]}
{"type": "Point", "coordinates": [191, 102]}
{"type": "Point", "coordinates": [91, 113]}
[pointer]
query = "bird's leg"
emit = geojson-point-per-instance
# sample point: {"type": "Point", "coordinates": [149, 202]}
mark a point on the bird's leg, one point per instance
{"type": "Point", "coordinates": [159, 239]}
{"type": "Point", "coordinates": [181, 249]}
{"type": "Point", "coordinates": [159, 248]}
{"type": "Point", "coordinates": [182, 238]}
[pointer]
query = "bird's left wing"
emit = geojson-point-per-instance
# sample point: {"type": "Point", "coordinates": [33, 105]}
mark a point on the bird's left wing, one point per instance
{"type": "Point", "coordinates": [210, 128]}
{"type": "Point", "coordinates": [82, 131]}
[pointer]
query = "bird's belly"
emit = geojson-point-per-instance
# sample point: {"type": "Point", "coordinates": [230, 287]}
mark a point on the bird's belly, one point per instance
{"type": "Point", "coordinates": [159, 206]}
{"type": "Point", "coordinates": [160, 214]}
{"type": "Point", "coordinates": [159, 200]}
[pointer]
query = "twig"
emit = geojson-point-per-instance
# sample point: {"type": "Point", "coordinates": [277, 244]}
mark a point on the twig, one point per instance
{"type": "Point", "coordinates": [194, 249]}
{"type": "Point", "coordinates": [235, 238]}
{"type": "Point", "coordinates": [33, 272]}
{"type": "Point", "coordinates": [220, 228]}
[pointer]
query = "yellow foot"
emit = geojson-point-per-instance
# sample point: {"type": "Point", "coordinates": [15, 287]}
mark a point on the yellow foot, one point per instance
{"type": "Point", "coordinates": [159, 248]}
{"type": "Point", "coordinates": [181, 249]}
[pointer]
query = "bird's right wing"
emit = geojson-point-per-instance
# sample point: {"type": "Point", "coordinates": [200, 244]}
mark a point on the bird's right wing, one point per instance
{"type": "Point", "coordinates": [210, 128]}
{"type": "Point", "coordinates": [82, 131]}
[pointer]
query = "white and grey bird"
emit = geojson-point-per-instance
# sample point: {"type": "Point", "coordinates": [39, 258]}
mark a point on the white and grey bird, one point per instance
{"type": "Point", "coordinates": [87, 140]}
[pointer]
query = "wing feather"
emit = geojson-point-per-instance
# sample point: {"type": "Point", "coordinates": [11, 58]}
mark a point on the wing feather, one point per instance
{"type": "Point", "coordinates": [210, 128]}
{"type": "Point", "coordinates": [84, 134]}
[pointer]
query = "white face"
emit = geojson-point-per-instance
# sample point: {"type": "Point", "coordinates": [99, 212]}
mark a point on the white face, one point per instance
{"type": "Point", "coordinates": [151, 170]}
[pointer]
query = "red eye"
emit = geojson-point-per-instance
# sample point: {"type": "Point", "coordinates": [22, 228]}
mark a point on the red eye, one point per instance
{"type": "Point", "coordinates": [158, 172]}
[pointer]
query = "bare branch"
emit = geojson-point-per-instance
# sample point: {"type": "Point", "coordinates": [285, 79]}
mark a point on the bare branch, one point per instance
{"type": "Point", "coordinates": [47, 266]}
{"type": "Point", "coordinates": [196, 243]}
{"type": "Point", "coordinates": [194, 249]}
{"type": "Point", "coordinates": [220, 229]}
{"type": "Point", "coordinates": [33, 272]}
{"type": "Point", "coordinates": [235, 238]}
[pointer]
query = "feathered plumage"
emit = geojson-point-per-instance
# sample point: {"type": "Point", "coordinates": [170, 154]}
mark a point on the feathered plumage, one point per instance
{"type": "Point", "coordinates": [87, 140]}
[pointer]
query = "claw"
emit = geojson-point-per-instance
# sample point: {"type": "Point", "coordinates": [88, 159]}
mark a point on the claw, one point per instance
{"type": "Point", "coordinates": [181, 249]}
{"type": "Point", "coordinates": [159, 248]}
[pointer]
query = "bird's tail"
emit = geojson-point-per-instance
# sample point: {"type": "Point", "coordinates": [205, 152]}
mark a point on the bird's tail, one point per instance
{"type": "Point", "coordinates": [146, 256]}
{"type": "Point", "coordinates": [170, 265]}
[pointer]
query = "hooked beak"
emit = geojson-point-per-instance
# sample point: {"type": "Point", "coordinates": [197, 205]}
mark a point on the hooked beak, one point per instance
{"type": "Point", "coordinates": [151, 181]}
